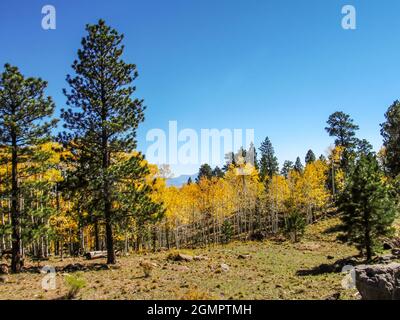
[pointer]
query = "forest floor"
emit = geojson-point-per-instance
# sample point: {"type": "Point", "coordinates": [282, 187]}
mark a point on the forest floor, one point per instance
{"type": "Point", "coordinates": [272, 269]}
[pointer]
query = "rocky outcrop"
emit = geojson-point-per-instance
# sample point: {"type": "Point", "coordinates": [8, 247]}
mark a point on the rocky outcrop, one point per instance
{"type": "Point", "coordinates": [378, 282]}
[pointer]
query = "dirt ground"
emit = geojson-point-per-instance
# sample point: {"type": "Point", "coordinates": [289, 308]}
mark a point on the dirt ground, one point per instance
{"type": "Point", "coordinates": [253, 270]}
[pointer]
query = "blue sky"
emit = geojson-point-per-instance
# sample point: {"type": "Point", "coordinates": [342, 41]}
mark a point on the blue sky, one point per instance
{"type": "Point", "coordinates": [277, 66]}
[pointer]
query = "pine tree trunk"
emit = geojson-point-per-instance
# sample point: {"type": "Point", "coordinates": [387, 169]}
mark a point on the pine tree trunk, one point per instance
{"type": "Point", "coordinates": [96, 236]}
{"type": "Point", "coordinates": [368, 242]}
{"type": "Point", "coordinates": [15, 210]}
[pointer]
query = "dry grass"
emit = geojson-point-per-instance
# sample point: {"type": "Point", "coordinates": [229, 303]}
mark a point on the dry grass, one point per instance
{"type": "Point", "coordinates": [273, 271]}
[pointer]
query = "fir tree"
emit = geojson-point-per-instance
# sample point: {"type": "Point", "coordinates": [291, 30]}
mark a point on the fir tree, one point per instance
{"type": "Point", "coordinates": [310, 157]}
{"type": "Point", "coordinates": [298, 166]}
{"type": "Point", "coordinates": [367, 205]}
{"type": "Point", "coordinates": [268, 163]}
{"type": "Point", "coordinates": [286, 168]}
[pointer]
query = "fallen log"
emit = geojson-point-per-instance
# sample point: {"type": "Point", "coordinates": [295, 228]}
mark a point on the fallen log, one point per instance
{"type": "Point", "coordinates": [91, 255]}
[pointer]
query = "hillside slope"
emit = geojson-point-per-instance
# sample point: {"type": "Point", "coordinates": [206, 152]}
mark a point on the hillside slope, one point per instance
{"type": "Point", "coordinates": [267, 270]}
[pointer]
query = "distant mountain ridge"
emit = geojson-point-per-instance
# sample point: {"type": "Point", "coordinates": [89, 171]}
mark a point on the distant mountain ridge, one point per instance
{"type": "Point", "coordinates": [181, 180]}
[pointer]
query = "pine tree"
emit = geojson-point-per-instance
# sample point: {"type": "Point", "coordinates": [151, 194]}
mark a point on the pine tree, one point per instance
{"type": "Point", "coordinates": [230, 160]}
{"type": "Point", "coordinates": [205, 172]}
{"type": "Point", "coordinates": [390, 131]}
{"type": "Point", "coordinates": [341, 126]}
{"type": "Point", "coordinates": [367, 205]}
{"type": "Point", "coordinates": [217, 172]}
{"type": "Point", "coordinates": [298, 166]}
{"type": "Point", "coordinates": [286, 168]}
{"type": "Point", "coordinates": [310, 157]}
{"type": "Point", "coordinates": [23, 111]}
{"type": "Point", "coordinates": [269, 163]}
{"type": "Point", "coordinates": [363, 147]}
{"type": "Point", "coordinates": [105, 117]}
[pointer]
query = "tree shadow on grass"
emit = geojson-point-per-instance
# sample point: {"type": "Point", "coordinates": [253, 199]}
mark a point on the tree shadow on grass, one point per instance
{"type": "Point", "coordinates": [334, 267]}
{"type": "Point", "coordinates": [72, 267]}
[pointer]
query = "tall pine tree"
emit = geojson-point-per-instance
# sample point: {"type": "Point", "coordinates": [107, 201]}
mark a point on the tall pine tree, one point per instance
{"type": "Point", "coordinates": [24, 109]}
{"type": "Point", "coordinates": [104, 117]}
{"type": "Point", "coordinates": [342, 127]}
{"type": "Point", "coordinates": [268, 162]}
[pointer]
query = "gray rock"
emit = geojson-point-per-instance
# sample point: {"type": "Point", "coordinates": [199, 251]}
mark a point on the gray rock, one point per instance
{"type": "Point", "coordinates": [3, 269]}
{"type": "Point", "coordinates": [224, 267]}
{"type": "Point", "coordinates": [378, 282]}
{"type": "Point", "coordinates": [183, 257]}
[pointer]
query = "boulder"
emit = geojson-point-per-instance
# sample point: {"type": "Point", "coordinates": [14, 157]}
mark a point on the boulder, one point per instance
{"type": "Point", "coordinates": [378, 282]}
{"type": "Point", "coordinates": [224, 267]}
{"type": "Point", "coordinates": [183, 257]}
{"type": "Point", "coordinates": [244, 256]}
{"type": "Point", "coordinates": [200, 258]}
{"type": "Point", "coordinates": [3, 269]}
{"type": "Point", "coordinates": [182, 268]}
{"type": "Point", "coordinates": [3, 279]}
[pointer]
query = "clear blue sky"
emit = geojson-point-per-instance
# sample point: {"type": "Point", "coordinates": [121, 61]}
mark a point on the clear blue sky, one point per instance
{"type": "Point", "coordinates": [278, 66]}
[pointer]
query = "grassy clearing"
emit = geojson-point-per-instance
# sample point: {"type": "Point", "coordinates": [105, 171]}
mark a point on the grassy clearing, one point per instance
{"type": "Point", "coordinates": [273, 270]}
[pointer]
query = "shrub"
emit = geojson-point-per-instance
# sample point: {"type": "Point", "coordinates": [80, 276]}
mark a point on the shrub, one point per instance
{"type": "Point", "coordinates": [227, 231]}
{"type": "Point", "coordinates": [147, 267]}
{"type": "Point", "coordinates": [74, 283]}
{"type": "Point", "coordinates": [295, 225]}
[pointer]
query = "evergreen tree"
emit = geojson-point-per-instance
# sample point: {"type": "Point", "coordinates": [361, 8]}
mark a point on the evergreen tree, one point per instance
{"type": "Point", "coordinates": [390, 131]}
{"type": "Point", "coordinates": [364, 147]}
{"type": "Point", "coordinates": [105, 116]}
{"type": "Point", "coordinates": [205, 172]}
{"type": "Point", "coordinates": [298, 166]}
{"type": "Point", "coordinates": [24, 109]}
{"type": "Point", "coordinates": [322, 158]}
{"type": "Point", "coordinates": [286, 168]}
{"type": "Point", "coordinates": [367, 205]}
{"type": "Point", "coordinates": [217, 172]}
{"type": "Point", "coordinates": [230, 160]}
{"type": "Point", "coordinates": [341, 126]}
{"type": "Point", "coordinates": [269, 163]}
{"type": "Point", "coordinates": [189, 181]}
{"type": "Point", "coordinates": [310, 157]}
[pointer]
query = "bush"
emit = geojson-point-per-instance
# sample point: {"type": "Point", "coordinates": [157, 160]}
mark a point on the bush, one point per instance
{"type": "Point", "coordinates": [74, 283]}
{"type": "Point", "coordinates": [227, 231]}
{"type": "Point", "coordinates": [295, 225]}
{"type": "Point", "coordinates": [147, 267]}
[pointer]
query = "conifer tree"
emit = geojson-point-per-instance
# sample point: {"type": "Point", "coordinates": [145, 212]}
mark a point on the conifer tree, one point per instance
{"type": "Point", "coordinates": [390, 131]}
{"type": "Point", "coordinates": [205, 172]}
{"type": "Point", "coordinates": [268, 163]}
{"type": "Point", "coordinates": [24, 109]}
{"type": "Point", "coordinates": [298, 166]}
{"type": "Point", "coordinates": [367, 205]}
{"type": "Point", "coordinates": [341, 126]}
{"type": "Point", "coordinates": [286, 168]}
{"type": "Point", "coordinates": [103, 116]}
{"type": "Point", "coordinates": [310, 157]}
